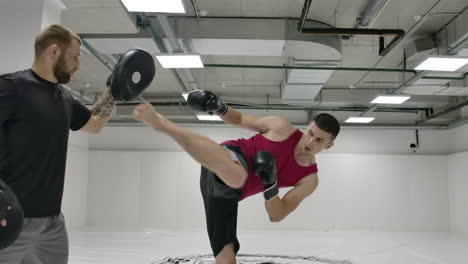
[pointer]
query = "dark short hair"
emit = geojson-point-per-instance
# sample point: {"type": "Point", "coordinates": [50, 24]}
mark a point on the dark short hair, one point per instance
{"type": "Point", "coordinates": [54, 34]}
{"type": "Point", "coordinates": [328, 123]}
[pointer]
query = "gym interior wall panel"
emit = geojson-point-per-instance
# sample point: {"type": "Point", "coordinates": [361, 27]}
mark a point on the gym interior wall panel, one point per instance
{"type": "Point", "coordinates": [113, 189]}
{"type": "Point", "coordinates": [458, 192]}
{"type": "Point", "coordinates": [367, 192]}
{"type": "Point", "coordinates": [79, 139]}
{"type": "Point", "coordinates": [20, 21]}
{"type": "Point", "coordinates": [458, 139]}
{"type": "Point", "coordinates": [356, 192]}
{"type": "Point", "coordinates": [51, 14]}
{"type": "Point", "coordinates": [390, 141]}
{"type": "Point", "coordinates": [169, 191]}
{"type": "Point", "coordinates": [74, 203]}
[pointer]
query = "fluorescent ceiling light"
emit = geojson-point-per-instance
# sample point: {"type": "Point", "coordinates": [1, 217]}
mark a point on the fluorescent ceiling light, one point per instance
{"type": "Point", "coordinates": [156, 6]}
{"type": "Point", "coordinates": [442, 64]}
{"type": "Point", "coordinates": [209, 117]}
{"type": "Point", "coordinates": [390, 99]}
{"type": "Point", "coordinates": [185, 95]}
{"type": "Point", "coordinates": [358, 119]}
{"type": "Point", "coordinates": [180, 61]}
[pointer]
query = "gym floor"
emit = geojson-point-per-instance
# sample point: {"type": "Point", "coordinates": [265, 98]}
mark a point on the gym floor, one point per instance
{"type": "Point", "coordinates": [97, 246]}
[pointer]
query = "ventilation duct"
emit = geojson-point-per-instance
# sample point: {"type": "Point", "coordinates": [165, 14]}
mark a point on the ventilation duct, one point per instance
{"type": "Point", "coordinates": [455, 35]}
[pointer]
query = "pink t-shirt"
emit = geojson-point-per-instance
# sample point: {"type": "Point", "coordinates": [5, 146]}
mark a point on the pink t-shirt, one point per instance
{"type": "Point", "coordinates": [289, 171]}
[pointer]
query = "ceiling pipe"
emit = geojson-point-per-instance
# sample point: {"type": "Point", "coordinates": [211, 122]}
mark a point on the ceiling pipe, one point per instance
{"type": "Point", "coordinates": [402, 41]}
{"type": "Point", "coordinates": [306, 68]}
{"type": "Point", "coordinates": [433, 10]}
{"type": "Point", "coordinates": [144, 23]}
{"type": "Point", "coordinates": [396, 33]}
{"type": "Point", "coordinates": [457, 123]}
{"type": "Point", "coordinates": [305, 11]}
{"type": "Point", "coordinates": [195, 8]}
{"type": "Point", "coordinates": [443, 112]}
{"type": "Point", "coordinates": [331, 68]}
{"type": "Point", "coordinates": [96, 54]}
{"type": "Point", "coordinates": [354, 31]}
{"type": "Point", "coordinates": [371, 12]}
{"type": "Point", "coordinates": [281, 107]}
{"type": "Point", "coordinates": [169, 32]}
{"type": "Point", "coordinates": [211, 124]}
{"type": "Point", "coordinates": [176, 47]}
{"type": "Point", "coordinates": [463, 77]}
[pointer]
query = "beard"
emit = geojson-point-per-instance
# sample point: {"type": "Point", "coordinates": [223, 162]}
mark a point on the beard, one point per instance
{"type": "Point", "coordinates": [60, 71]}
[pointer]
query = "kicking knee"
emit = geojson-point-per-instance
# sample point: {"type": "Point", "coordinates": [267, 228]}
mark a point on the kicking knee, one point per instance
{"type": "Point", "coordinates": [234, 176]}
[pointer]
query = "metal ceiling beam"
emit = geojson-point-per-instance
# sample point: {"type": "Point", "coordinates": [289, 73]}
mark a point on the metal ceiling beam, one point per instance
{"type": "Point", "coordinates": [402, 41]}
{"type": "Point", "coordinates": [211, 124]}
{"type": "Point", "coordinates": [176, 47]}
{"type": "Point", "coordinates": [144, 23]}
{"type": "Point", "coordinates": [397, 33]}
{"type": "Point", "coordinates": [281, 107]}
{"type": "Point", "coordinates": [195, 8]}
{"type": "Point", "coordinates": [96, 54]}
{"type": "Point", "coordinates": [419, 75]}
{"type": "Point", "coordinates": [250, 66]}
{"type": "Point", "coordinates": [253, 66]}
{"type": "Point", "coordinates": [169, 32]}
{"type": "Point", "coordinates": [443, 112]}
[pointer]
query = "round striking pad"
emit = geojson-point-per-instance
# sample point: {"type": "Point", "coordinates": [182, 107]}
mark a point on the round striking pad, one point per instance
{"type": "Point", "coordinates": [132, 74]}
{"type": "Point", "coordinates": [11, 210]}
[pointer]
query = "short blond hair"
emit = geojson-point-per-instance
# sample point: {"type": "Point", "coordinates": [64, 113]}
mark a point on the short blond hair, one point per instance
{"type": "Point", "coordinates": [54, 34]}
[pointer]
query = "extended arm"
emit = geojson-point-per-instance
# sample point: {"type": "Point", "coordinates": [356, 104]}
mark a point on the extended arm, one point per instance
{"type": "Point", "coordinates": [207, 101]}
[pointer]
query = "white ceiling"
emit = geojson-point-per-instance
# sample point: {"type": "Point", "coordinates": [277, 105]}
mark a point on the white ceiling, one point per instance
{"type": "Point", "coordinates": [235, 32]}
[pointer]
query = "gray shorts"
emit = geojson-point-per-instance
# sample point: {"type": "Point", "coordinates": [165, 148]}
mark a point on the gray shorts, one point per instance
{"type": "Point", "coordinates": [42, 241]}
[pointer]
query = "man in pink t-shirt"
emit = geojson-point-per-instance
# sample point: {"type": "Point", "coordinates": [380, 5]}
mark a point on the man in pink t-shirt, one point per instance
{"type": "Point", "coordinates": [279, 155]}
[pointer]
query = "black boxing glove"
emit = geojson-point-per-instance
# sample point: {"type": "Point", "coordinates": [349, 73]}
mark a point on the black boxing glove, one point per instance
{"type": "Point", "coordinates": [206, 101]}
{"type": "Point", "coordinates": [264, 165]}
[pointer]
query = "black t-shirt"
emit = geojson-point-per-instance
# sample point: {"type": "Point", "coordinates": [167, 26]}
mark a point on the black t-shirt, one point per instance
{"type": "Point", "coordinates": [35, 118]}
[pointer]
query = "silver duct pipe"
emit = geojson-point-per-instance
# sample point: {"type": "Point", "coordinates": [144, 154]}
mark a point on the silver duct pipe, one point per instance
{"type": "Point", "coordinates": [371, 12]}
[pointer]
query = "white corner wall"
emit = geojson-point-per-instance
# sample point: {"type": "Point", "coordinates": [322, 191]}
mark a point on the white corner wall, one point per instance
{"type": "Point", "coordinates": [157, 189]}
{"type": "Point", "coordinates": [458, 192]}
{"type": "Point", "coordinates": [149, 175]}
{"type": "Point", "coordinates": [368, 192]}
{"type": "Point", "coordinates": [458, 179]}
{"type": "Point", "coordinates": [391, 189]}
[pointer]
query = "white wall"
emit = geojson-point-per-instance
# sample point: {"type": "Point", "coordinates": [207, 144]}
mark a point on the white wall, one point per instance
{"type": "Point", "coordinates": [458, 139]}
{"type": "Point", "coordinates": [52, 11]}
{"type": "Point", "coordinates": [380, 184]}
{"type": "Point", "coordinates": [20, 21]}
{"type": "Point", "coordinates": [155, 189]}
{"type": "Point", "coordinates": [76, 181]}
{"type": "Point", "coordinates": [458, 192]}
{"type": "Point", "coordinates": [143, 189]}
{"type": "Point", "coordinates": [370, 192]}
{"type": "Point", "coordinates": [458, 180]}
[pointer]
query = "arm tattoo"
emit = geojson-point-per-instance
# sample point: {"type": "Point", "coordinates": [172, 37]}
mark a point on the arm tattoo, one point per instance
{"type": "Point", "coordinates": [103, 107]}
